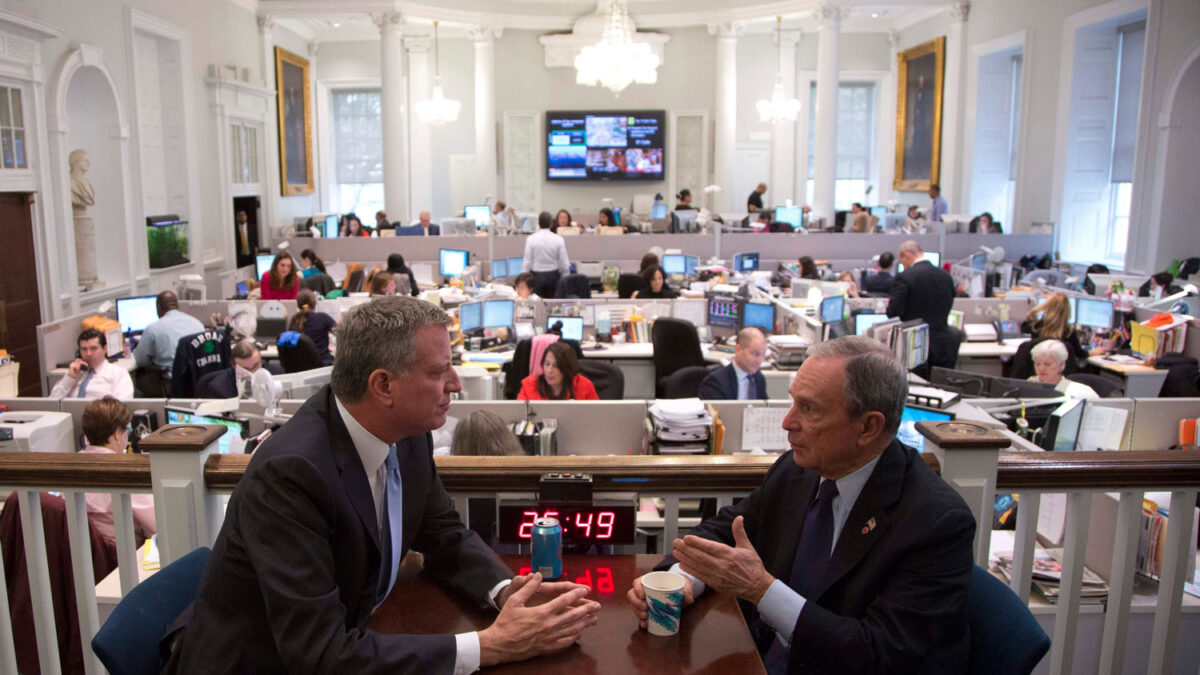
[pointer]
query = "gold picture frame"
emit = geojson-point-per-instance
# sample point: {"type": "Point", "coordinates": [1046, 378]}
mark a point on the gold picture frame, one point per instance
{"type": "Point", "coordinates": [919, 116]}
{"type": "Point", "coordinates": [293, 99]}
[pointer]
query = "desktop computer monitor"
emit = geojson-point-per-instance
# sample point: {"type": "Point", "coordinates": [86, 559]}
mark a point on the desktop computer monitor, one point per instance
{"type": "Point", "coordinates": [184, 416]}
{"type": "Point", "coordinates": [1061, 431]}
{"type": "Point", "coordinates": [572, 326]}
{"type": "Point", "coordinates": [515, 266]}
{"type": "Point", "coordinates": [759, 314]}
{"type": "Point", "coordinates": [482, 215]}
{"type": "Point", "coordinates": [1093, 313]}
{"type": "Point", "coordinates": [451, 262]}
{"type": "Point", "coordinates": [330, 228]}
{"type": "Point", "coordinates": [673, 263]}
{"type": "Point", "coordinates": [500, 268]}
{"type": "Point", "coordinates": [242, 289]}
{"type": "Point", "coordinates": [134, 314]}
{"type": "Point", "coordinates": [745, 262]}
{"type": "Point", "coordinates": [497, 313]}
{"type": "Point", "coordinates": [864, 321]}
{"type": "Point", "coordinates": [470, 316]}
{"type": "Point", "coordinates": [616, 216]}
{"type": "Point", "coordinates": [262, 264]}
{"type": "Point", "coordinates": [934, 258]}
{"type": "Point", "coordinates": [723, 312]}
{"type": "Point", "coordinates": [792, 215]}
{"type": "Point", "coordinates": [979, 261]}
{"type": "Point", "coordinates": [879, 211]}
{"type": "Point", "coordinates": [658, 211]}
{"type": "Point", "coordinates": [912, 414]}
{"type": "Point", "coordinates": [833, 308]}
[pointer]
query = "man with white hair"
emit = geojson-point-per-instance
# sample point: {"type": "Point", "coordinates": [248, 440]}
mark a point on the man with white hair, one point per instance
{"type": "Point", "coordinates": [1049, 358]}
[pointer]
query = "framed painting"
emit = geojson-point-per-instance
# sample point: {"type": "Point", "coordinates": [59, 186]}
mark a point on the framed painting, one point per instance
{"type": "Point", "coordinates": [919, 116]}
{"type": "Point", "coordinates": [294, 102]}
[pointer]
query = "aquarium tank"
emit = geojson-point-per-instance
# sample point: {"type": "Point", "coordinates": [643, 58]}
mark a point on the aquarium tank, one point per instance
{"type": "Point", "coordinates": [166, 241]}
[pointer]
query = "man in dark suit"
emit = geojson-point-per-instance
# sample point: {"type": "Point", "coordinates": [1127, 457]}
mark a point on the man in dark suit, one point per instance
{"type": "Point", "coordinates": [852, 556]}
{"type": "Point", "coordinates": [741, 379]}
{"type": "Point", "coordinates": [881, 281]}
{"type": "Point", "coordinates": [925, 292]}
{"type": "Point", "coordinates": [330, 503]}
{"type": "Point", "coordinates": [428, 227]}
{"type": "Point", "coordinates": [224, 383]}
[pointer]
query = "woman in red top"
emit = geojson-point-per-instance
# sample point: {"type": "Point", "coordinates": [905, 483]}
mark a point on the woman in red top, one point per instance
{"type": "Point", "coordinates": [281, 281]}
{"type": "Point", "coordinates": [560, 378]}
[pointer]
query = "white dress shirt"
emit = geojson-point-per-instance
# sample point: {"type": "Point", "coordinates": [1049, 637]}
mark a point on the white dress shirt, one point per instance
{"type": "Point", "coordinates": [780, 606]}
{"type": "Point", "coordinates": [373, 454]}
{"type": "Point", "coordinates": [546, 252]}
{"type": "Point", "coordinates": [109, 378]}
{"type": "Point", "coordinates": [743, 381]}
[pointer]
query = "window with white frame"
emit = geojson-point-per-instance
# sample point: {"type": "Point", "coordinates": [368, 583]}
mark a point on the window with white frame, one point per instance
{"type": "Point", "coordinates": [12, 130]}
{"type": "Point", "coordinates": [244, 144]}
{"type": "Point", "coordinates": [1131, 46]}
{"type": "Point", "coordinates": [855, 142]}
{"type": "Point", "coordinates": [358, 152]}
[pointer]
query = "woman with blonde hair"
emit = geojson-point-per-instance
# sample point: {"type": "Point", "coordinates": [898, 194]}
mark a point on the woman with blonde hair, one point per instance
{"type": "Point", "coordinates": [1051, 320]}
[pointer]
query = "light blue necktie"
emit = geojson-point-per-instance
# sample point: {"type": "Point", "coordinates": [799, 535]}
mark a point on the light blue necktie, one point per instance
{"type": "Point", "coordinates": [391, 539]}
{"type": "Point", "coordinates": [83, 385]}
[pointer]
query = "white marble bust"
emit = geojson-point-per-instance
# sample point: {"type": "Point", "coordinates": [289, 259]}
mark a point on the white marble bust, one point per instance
{"type": "Point", "coordinates": [82, 193]}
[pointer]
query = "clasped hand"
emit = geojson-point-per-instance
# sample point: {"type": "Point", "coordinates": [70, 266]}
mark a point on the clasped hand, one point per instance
{"type": "Point", "coordinates": [536, 618]}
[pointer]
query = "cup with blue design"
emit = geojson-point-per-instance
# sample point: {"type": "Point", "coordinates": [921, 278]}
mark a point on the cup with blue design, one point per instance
{"type": "Point", "coordinates": [664, 599]}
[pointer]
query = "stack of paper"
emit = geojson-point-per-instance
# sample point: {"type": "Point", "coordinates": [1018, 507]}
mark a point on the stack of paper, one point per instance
{"type": "Point", "coordinates": [681, 426]}
{"type": "Point", "coordinates": [787, 350]}
{"type": "Point", "coordinates": [1047, 574]}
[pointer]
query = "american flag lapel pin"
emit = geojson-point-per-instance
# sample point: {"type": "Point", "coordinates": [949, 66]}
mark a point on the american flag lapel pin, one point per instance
{"type": "Point", "coordinates": [869, 526]}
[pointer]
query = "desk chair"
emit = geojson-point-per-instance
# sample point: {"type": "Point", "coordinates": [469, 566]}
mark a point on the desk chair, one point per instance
{"type": "Point", "coordinates": [298, 356]}
{"type": "Point", "coordinates": [1022, 362]}
{"type": "Point", "coordinates": [685, 382]}
{"type": "Point", "coordinates": [676, 346]}
{"type": "Point", "coordinates": [1103, 386]}
{"type": "Point", "coordinates": [319, 283]}
{"type": "Point", "coordinates": [573, 286]}
{"type": "Point", "coordinates": [353, 283]}
{"type": "Point", "coordinates": [608, 379]}
{"type": "Point", "coordinates": [127, 643]}
{"type": "Point", "coordinates": [628, 283]}
{"type": "Point", "coordinates": [1005, 637]}
{"type": "Point", "coordinates": [194, 362]}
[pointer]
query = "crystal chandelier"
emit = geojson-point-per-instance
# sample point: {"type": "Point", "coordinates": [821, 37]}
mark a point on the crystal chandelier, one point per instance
{"type": "Point", "coordinates": [780, 109]}
{"type": "Point", "coordinates": [438, 110]}
{"type": "Point", "coordinates": [616, 61]}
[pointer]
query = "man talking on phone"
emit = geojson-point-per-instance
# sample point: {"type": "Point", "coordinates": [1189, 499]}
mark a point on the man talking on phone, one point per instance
{"type": "Point", "coordinates": [90, 375]}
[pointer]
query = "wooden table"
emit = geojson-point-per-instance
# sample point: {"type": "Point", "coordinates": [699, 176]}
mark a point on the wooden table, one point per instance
{"type": "Point", "coordinates": [713, 637]}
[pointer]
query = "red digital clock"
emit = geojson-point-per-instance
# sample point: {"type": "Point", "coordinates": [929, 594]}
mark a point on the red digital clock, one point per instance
{"type": "Point", "coordinates": [581, 523]}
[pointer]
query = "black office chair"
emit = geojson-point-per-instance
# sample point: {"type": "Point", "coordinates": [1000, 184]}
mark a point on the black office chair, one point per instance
{"type": "Point", "coordinates": [300, 356]}
{"type": "Point", "coordinates": [628, 283]}
{"type": "Point", "coordinates": [573, 286]}
{"type": "Point", "coordinates": [608, 379]}
{"type": "Point", "coordinates": [685, 382]}
{"type": "Point", "coordinates": [1103, 386]}
{"type": "Point", "coordinates": [197, 355]}
{"type": "Point", "coordinates": [1022, 361]}
{"type": "Point", "coordinates": [676, 346]}
{"type": "Point", "coordinates": [319, 283]}
{"type": "Point", "coordinates": [355, 283]}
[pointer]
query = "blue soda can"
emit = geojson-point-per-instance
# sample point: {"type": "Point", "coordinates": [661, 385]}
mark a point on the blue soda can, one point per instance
{"type": "Point", "coordinates": [547, 548]}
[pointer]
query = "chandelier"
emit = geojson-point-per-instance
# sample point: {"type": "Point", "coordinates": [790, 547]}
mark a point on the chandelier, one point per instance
{"type": "Point", "coordinates": [780, 109]}
{"type": "Point", "coordinates": [616, 61]}
{"type": "Point", "coordinates": [438, 110]}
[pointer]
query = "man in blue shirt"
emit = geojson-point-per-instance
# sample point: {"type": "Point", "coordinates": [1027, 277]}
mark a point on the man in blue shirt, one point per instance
{"type": "Point", "coordinates": [939, 205]}
{"type": "Point", "coordinates": [155, 352]}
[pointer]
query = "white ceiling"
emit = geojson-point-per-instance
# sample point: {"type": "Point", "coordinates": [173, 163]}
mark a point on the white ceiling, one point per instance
{"type": "Point", "coordinates": [336, 20]}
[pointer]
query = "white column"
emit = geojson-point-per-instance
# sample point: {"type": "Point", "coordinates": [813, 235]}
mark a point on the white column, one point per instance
{"type": "Point", "coordinates": [825, 152]}
{"type": "Point", "coordinates": [726, 121]}
{"type": "Point", "coordinates": [394, 115]}
{"type": "Point", "coordinates": [783, 136]}
{"type": "Point", "coordinates": [956, 54]}
{"type": "Point", "coordinates": [420, 88]}
{"type": "Point", "coordinates": [270, 163]}
{"type": "Point", "coordinates": [485, 110]}
{"type": "Point", "coordinates": [887, 126]}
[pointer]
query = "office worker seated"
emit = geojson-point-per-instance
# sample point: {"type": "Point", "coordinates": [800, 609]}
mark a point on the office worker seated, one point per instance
{"type": "Point", "coordinates": [1049, 360]}
{"type": "Point", "coordinates": [281, 282]}
{"type": "Point", "coordinates": [651, 258]}
{"type": "Point", "coordinates": [914, 221]}
{"type": "Point", "coordinates": [504, 217]}
{"type": "Point", "coordinates": [853, 556]}
{"type": "Point", "coordinates": [1159, 286]}
{"type": "Point", "coordinates": [861, 222]}
{"type": "Point", "coordinates": [984, 224]}
{"type": "Point", "coordinates": [318, 326]}
{"type": "Point", "coordinates": [560, 378]}
{"type": "Point", "coordinates": [808, 268]}
{"type": "Point", "coordinates": [925, 292]}
{"type": "Point", "coordinates": [328, 506]}
{"type": "Point", "coordinates": [353, 227]}
{"type": "Point", "coordinates": [106, 428]}
{"type": "Point", "coordinates": [881, 281]}
{"type": "Point", "coordinates": [155, 351]}
{"type": "Point", "coordinates": [606, 218]}
{"type": "Point", "coordinates": [1051, 319]}
{"type": "Point", "coordinates": [382, 283]}
{"type": "Point", "coordinates": [847, 277]}
{"type": "Point", "coordinates": [381, 221]}
{"type": "Point", "coordinates": [739, 380]}
{"type": "Point", "coordinates": [561, 219]}
{"type": "Point", "coordinates": [685, 200]}
{"type": "Point", "coordinates": [396, 265]}
{"type": "Point", "coordinates": [524, 285]}
{"type": "Point", "coordinates": [90, 375]}
{"type": "Point", "coordinates": [310, 263]}
{"type": "Point", "coordinates": [546, 256]}
{"type": "Point", "coordinates": [428, 227]}
{"type": "Point", "coordinates": [233, 382]}
{"type": "Point", "coordinates": [655, 284]}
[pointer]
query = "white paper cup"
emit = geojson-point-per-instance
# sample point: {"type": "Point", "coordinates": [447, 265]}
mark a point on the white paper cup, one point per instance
{"type": "Point", "coordinates": [664, 598]}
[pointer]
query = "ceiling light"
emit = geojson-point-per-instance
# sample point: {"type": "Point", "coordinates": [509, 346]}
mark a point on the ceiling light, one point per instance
{"type": "Point", "coordinates": [779, 109]}
{"type": "Point", "coordinates": [874, 15]}
{"type": "Point", "coordinates": [616, 61]}
{"type": "Point", "coordinates": [438, 110]}
{"type": "Point", "coordinates": [337, 25]}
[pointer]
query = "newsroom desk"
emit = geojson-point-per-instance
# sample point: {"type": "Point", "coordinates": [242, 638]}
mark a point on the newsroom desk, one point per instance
{"type": "Point", "coordinates": [712, 638]}
{"type": "Point", "coordinates": [1138, 380]}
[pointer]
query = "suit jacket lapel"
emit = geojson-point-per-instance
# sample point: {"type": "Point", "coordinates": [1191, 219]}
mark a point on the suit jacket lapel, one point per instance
{"type": "Point", "coordinates": [354, 476]}
{"type": "Point", "coordinates": [801, 492]}
{"type": "Point", "coordinates": [731, 381]}
{"type": "Point", "coordinates": [880, 493]}
{"type": "Point", "coordinates": [408, 453]}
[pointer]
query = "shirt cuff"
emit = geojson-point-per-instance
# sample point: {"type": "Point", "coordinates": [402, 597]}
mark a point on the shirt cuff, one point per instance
{"type": "Point", "coordinates": [495, 593]}
{"type": "Point", "coordinates": [467, 658]}
{"type": "Point", "coordinates": [697, 585]}
{"type": "Point", "coordinates": [780, 607]}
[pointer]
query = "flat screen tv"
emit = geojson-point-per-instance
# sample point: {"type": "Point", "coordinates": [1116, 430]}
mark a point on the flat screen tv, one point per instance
{"type": "Point", "coordinates": [605, 145]}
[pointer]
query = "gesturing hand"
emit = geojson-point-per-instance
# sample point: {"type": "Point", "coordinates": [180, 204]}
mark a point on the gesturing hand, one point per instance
{"type": "Point", "coordinates": [547, 591]}
{"type": "Point", "coordinates": [736, 570]}
{"type": "Point", "coordinates": [637, 599]}
{"type": "Point", "coordinates": [524, 630]}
